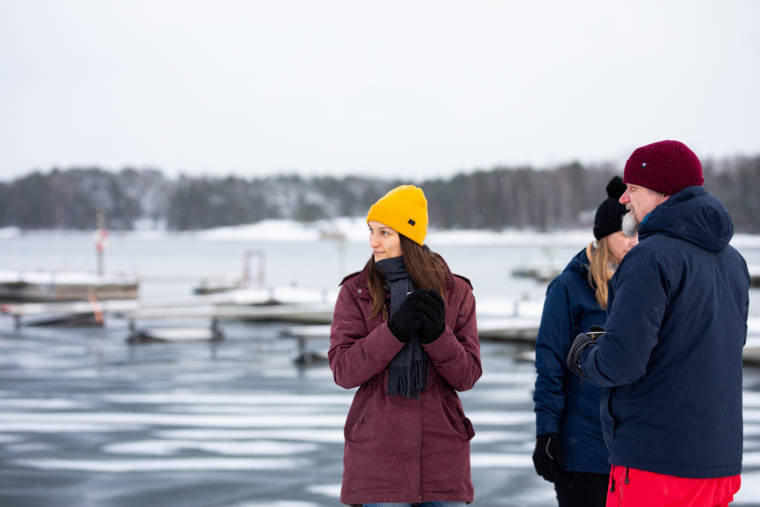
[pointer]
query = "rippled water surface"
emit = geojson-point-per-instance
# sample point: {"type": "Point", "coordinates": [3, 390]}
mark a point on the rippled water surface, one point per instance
{"type": "Point", "coordinates": [88, 420]}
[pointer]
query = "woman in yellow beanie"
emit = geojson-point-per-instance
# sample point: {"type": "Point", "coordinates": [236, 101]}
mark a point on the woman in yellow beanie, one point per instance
{"type": "Point", "coordinates": [404, 332]}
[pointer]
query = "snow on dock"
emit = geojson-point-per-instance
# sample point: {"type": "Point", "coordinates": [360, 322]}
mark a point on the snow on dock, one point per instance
{"type": "Point", "coordinates": [66, 286]}
{"type": "Point", "coordinates": [175, 335]}
{"type": "Point", "coordinates": [498, 319]}
{"type": "Point", "coordinates": [508, 329]}
{"type": "Point", "coordinates": [57, 312]}
{"type": "Point", "coordinates": [754, 275]}
{"type": "Point", "coordinates": [305, 313]}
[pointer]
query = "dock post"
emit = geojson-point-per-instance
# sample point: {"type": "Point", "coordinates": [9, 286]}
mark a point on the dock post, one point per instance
{"type": "Point", "coordinates": [100, 240]}
{"type": "Point", "coordinates": [132, 329]}
{"type": "Point", "coordinates": [302, 346]}
{"type": "Point", "coordinates": [216, 333]}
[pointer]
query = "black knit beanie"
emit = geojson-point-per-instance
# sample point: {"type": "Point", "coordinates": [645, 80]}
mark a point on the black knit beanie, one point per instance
{"type": "Point", "coordinates": [609, 214]}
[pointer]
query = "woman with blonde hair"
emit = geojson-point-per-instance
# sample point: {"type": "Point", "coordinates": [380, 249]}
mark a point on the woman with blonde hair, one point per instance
{"type": "Point", "coordinates": [569, 449]}
{"type": "Point", "coordinates": [404, 333]}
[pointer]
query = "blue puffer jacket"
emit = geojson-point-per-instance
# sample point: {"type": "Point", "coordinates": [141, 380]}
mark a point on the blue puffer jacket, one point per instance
{"type": "Point", "coordinates": [671, 358]}
{"type": "Point", "coordinates": [563, 403]}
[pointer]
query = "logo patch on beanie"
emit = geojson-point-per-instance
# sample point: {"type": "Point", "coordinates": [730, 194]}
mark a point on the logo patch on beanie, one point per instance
{"type": "Point", "coordinates": [643, 165]}
{"type": "Point", "coordinates": [411, 222]}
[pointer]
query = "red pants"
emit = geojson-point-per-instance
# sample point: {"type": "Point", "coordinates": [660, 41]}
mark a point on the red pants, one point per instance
{"type": "Point", "coordinates": [630, 487]}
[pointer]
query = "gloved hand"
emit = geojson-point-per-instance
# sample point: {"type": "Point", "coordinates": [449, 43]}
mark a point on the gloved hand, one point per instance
{"type": "Point", "coordinates": [404, 322]}
{"type": "Point", "coordinates": [581, 342]}
{"type": "Point", "coordinates": [432, 316]}
{"type": "Point", "coordinates": [546, 456]}
{"type": "Point", "coordinates": [595, 331]}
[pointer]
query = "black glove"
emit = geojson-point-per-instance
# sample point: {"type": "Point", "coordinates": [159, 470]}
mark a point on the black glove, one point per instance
{"type": "Point", "coordinates": [432, 316]}
{"type": "Point", "coordinates": [546, 456]}
{"type": "Point", "coordinates": [581, 342]}
{"type": "Point", "coordinates": [403, 323]}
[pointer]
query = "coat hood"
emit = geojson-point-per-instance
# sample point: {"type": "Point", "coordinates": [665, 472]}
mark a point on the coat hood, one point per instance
{"type": "Point", "coordinates": [579, 264]}
{"type": "Point", "coordinates": [692, 215]}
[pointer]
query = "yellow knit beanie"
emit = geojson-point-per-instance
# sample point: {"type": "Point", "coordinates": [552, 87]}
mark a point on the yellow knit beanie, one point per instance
{"type": "Point", "coordinates": [403, 209]}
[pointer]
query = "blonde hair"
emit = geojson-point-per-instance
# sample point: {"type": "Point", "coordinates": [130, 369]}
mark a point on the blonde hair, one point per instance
{"type": "Point", "coordinates": [601, 268]}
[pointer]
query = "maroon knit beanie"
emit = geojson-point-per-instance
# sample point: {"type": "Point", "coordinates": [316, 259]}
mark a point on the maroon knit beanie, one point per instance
{"type": "Point", "coordinates": [665, 166]}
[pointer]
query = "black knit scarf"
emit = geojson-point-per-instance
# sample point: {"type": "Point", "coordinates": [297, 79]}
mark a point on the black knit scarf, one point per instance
{"type": "Point", "coordinates": [409, 369]}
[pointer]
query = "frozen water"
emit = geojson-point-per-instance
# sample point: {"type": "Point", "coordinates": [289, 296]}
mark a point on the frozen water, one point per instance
{"type": "Point", "coordinates": [86, 419]}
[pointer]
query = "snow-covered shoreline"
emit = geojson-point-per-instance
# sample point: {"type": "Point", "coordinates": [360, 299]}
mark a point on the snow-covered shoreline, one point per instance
{"type": "Point", "coordinates": [354, 229]}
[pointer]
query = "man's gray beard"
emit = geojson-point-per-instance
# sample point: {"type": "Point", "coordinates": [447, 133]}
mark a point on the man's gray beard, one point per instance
{"type": "Point", "coordinates": [630, 226]}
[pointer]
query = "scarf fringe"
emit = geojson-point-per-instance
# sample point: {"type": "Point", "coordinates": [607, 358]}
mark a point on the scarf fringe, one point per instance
{"type": "Point", "coordinates": [408, 382]}
{"type": "Point", "coordinates": [409, 369]}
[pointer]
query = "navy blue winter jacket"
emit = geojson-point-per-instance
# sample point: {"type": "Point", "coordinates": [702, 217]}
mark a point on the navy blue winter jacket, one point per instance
{"type": "Point", "coordinates": [564, 403]}
{"type": "Point", "coordinates": [671, 358]}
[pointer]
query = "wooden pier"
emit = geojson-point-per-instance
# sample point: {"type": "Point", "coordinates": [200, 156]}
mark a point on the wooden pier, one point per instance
{"type": "Point", "coordinates": [295, 313]}
{"type": "Point", "coordinates": [304, 334]}
{"type": "Point", "coordinates": [754, 275]}
{"type": "Point", "coordinates": [510, 329]}
{"type": "Point", "coordinates": [65, 286]}
{"type": "Point", "coordinates": [542, 271]}
{"type": "Point", "coordinates": [60, 313]}
{"type": "Point", "coordinates": [289, 305]}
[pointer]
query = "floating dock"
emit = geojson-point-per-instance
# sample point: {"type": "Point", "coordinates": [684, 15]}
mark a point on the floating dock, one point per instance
{"type": "Point", "coordinates": [754, 275]}
{"type": "Point", "coordinates": [539, 273]}
{"type": "Point", "coordinates": [65, 286]}
{"type": "Point", "coordinates": [500, 320]}
{"type": "Point", "coordinates": [60, 313]}
{"type": "Point", "coordinates": [546, 272]}
{"type": "Point", "coordinates": [296, 313]}
{"type": "Point", "coordinates": [511, 329]}
{"type": "Point", "coordinates": [175, 335]}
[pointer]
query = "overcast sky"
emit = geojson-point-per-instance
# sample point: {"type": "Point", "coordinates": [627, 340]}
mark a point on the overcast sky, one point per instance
{"type": "Point", "coordinates": [391, 88]}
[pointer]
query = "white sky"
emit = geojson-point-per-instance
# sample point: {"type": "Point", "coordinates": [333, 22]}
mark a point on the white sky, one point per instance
{"type": "Point", "coordinates": [392, 88]}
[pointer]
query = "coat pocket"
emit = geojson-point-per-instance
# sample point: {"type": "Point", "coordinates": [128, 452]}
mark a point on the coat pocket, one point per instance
{"type": "Point", "coordinates": [355, 428]}
{"type": "Point", "coordinates": [455, 416]}
{"type": "Point", "coordinates": [468, 429]}
{"type": "Point", "coordinates": [608, 420]}
{"type": "Point", "coordinates": [356, 419]}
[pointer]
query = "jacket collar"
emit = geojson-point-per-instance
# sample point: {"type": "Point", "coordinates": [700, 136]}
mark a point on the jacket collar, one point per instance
{"type": "Point", "coordinates": [361, 281]}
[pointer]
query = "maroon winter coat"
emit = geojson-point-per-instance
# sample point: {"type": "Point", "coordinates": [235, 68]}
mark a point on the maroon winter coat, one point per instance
{"type": "Point", "coordinates": [399, 449]}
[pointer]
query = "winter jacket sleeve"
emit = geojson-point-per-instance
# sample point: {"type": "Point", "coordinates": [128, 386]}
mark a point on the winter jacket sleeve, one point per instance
{"type": "Point", "coordinates": [456, 353]}
{"type": "Point", "coordinates": [355, 354]}
{"type": "Point", "coordinates": [552, 345]}
{"type": "Point", "coordinates": [639, 297]}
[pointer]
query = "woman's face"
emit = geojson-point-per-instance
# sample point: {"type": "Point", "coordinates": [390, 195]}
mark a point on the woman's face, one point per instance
{"type": "Point", "coordinates": [619, 244]}
{"type": "Point", "coordinates": [384, 241]}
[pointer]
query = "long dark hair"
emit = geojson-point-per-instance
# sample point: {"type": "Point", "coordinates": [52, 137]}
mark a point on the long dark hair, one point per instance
{"type": "Point", "coordinates": [425, 267]}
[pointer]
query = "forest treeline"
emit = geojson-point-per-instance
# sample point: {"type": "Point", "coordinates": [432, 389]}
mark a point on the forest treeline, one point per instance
{"type": "Point", "coordinates": [502, 197]}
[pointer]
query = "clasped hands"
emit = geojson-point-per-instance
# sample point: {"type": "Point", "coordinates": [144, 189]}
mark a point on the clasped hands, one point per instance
{"type": "Point", "coordinates": [422, 314]}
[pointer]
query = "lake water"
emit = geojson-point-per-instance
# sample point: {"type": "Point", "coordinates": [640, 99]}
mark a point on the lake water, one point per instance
{"type": "Point", "coordinates": [89, 420]}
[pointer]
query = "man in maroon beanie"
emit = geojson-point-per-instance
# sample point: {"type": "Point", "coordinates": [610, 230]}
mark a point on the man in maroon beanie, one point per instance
{"type": "Point", "coordinates": [670, 359]}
